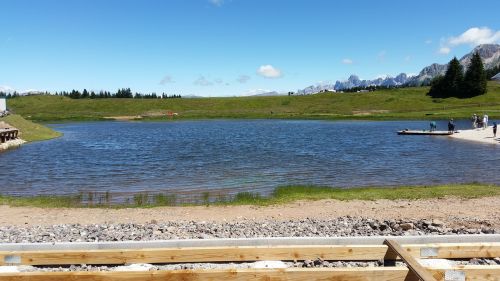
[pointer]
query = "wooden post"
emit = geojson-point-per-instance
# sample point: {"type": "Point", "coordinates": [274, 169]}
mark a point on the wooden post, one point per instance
{"type": "Point", "coordinates": [416, 268]}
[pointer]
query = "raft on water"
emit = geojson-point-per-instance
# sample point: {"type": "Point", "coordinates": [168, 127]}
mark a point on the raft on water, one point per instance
{"type": "Point", "coordinates": [424, 133]}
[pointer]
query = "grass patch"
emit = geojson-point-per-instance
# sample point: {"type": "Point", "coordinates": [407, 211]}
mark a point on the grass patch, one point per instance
{"type": "Point", "coordinates": [294, 193]}
{"type": "Point", "coordinates": [281, 195]}
{"type": "Point", "coordinates": [43, 201]}
{"type": "Point", "coordinates": [390, 104]}
{"type": "Point", "coordinates": [30, 131]}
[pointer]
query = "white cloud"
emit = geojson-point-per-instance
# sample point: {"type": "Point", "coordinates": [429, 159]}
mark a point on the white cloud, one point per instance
{"type": "Point", "coordinates": [218, 81]}
{"type": "Point", "coordinates": [216, 3]}
{"type": "Point", "coordinates": [444, 50]}
{"type": "Point", "coordinates": [269, 71]}
{"type": "Point", "coordinates": [473, 36]}
{"type": "Point", "coordinates": [428, 41]}
{"type": "Point", "coordinates": [243, 79]}
{"type": "Point", "coordinates": [167, 79]}
{"type": "Point", "coordinates": [347, 61]}
{"type": "Point", "coordinates": [202, 81]}
{"type": "Point", "coordinates": [407, 58]}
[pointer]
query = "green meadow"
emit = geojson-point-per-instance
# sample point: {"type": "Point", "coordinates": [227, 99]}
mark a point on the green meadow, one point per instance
{"type": "Point", "coordinates": [391, 104]}
{"type": "Point", "coordinates": [28, 130]}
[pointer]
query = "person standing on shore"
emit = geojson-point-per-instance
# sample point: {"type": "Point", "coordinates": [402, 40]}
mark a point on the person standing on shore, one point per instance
{"type": "Point", "coordinates": [494, 129]}
{"type": "Point", "coordinates": [433, 126]}
{"type": "Point", "coordinates": [451, 126]}
{"type": "Point", "coordinates": [474, 121]}
{"type": "Point", "coordinates": [485, 121]}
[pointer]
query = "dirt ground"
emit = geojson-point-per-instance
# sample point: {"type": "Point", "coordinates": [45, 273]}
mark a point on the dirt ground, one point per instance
{"type": "Point", "coordinates": [453, 211]}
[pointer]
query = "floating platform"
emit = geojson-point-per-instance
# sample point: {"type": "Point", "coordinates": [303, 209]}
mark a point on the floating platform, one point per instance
{"type": "Point", "coordinates": [425, 133]}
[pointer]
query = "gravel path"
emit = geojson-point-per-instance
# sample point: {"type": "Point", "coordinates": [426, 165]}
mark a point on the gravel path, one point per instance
{"type": "Point", "coordinates": [344, 226]}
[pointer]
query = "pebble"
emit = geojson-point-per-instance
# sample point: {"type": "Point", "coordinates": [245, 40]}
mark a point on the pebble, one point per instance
{"type": "Point", "coordinates": [244, 228]}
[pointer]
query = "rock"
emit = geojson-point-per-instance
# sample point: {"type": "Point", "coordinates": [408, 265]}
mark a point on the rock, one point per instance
{"type": "Point", "coordinates": [318, 262]}
{"type": "Point", "coordinates": [308, 263]}
{"type": "Point", "coordinates": [309, 227]}
{"type": "Point", "coordinates": [437, 223]}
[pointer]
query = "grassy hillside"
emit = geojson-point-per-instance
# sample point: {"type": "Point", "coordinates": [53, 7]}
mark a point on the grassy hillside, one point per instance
{"type": "Point", "coordinates": [30, 131]}
{"type": "Point", "coordinates": [407, 103]}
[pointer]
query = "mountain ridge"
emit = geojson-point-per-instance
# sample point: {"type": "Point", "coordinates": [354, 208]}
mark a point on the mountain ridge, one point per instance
{"type": "Point", "coordinates": [490, 54]}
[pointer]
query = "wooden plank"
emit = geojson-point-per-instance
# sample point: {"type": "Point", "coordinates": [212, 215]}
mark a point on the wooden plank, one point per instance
{"type": "Point", "coordinates": [456, 250]}
{"type": "Point", "coordinates": [246, 253]}
{"type": "Point", "coordinates": [196, 254]}
{"type": "Point", "coordinates": [290, 274]}
{"type": "Point", "coordinates": [414, 266]}
{"type": "Point", "coordinates": [471, 272]}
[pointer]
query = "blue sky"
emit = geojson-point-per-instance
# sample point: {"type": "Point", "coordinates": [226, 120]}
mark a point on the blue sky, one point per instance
{"type": "Point", "coordinates": [229, 47]}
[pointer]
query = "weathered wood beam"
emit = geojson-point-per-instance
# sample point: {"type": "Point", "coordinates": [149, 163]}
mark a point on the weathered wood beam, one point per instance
{"type": "Point", "coordinates": [290, 274]}
{"type": "Point", "coordinates": [467, 273]}
{"type": "Point", "coordinates": [246, 253]}
{"type": "Point", "coordinates": [415, 267]}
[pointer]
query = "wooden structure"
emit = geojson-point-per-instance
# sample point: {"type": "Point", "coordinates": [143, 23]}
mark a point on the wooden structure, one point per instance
{"type": "Point", "coordinates": [390, 250]}
{"type": "Point", "coordinates": [425, 133]}
{"type": "Point", "coordinates": [7, 134]}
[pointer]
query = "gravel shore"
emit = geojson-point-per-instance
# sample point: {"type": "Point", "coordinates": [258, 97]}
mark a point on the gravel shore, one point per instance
{"type": "Point", "coordinates": [343, 226]}
{"type": "Point", "coordinates": [309, 227]}
{"type": "Point", "coordinates": [477, 135]}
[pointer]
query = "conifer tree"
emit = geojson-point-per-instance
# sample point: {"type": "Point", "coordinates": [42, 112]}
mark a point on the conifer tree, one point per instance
{"type": "Point", "coordinates": [449, 85]}
{"type": "Point", "coordinates": [475, 78]}
{"type": "Point", "coordinates": [453, 78]}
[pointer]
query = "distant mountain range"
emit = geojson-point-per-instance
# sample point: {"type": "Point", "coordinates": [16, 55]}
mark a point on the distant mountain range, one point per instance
{"type": "Point", "coordinates": [490, 53]}
{"type": "Point", "coordinates": [268, 94]}
{"type": "Point", "coordinates": [496, 77]}
{"type": "Point", "coordinates": [354, 81]}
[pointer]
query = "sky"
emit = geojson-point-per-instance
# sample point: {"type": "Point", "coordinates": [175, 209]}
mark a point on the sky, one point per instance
{"type": "Point", "coordinates": [229, 47]}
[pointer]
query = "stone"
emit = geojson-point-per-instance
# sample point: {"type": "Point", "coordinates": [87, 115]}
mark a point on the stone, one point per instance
{"type": "Point", "coordinates": [406, 226]}
{"type": "Point", "coordinates": [437, 223]}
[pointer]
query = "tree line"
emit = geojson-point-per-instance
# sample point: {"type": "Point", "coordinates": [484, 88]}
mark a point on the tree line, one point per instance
{"type": "Point", "coordinates": [121, 93]}
{"type": "Point", "coordinates": [454, 83]}
{"type": "Point", "coordinates": [124, 93]}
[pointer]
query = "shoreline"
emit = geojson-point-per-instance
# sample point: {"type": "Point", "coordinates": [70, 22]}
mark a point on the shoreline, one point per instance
{"type": "Point", "coordinates": [11, 144]}
{"type": "Point", "coordinates": [281, 195]}
{"type": "Point", "coordinates": [477, 135]}
{"type": "Point", "coordinates": [454, 211]}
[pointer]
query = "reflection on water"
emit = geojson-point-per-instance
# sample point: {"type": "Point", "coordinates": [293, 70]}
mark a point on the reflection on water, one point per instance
{"type": "Point", "coordinates": [233, 156]}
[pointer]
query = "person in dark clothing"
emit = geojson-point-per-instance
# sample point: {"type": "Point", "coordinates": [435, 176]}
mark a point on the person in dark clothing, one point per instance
{"type": "Point", "coordinates": [451, 126]}
{"type": "Point", "coordinates": [494, 129]}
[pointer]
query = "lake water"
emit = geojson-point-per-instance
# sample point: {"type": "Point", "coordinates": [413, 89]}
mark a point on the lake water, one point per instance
{"type": "Point", "coordinates": [228, 156]}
